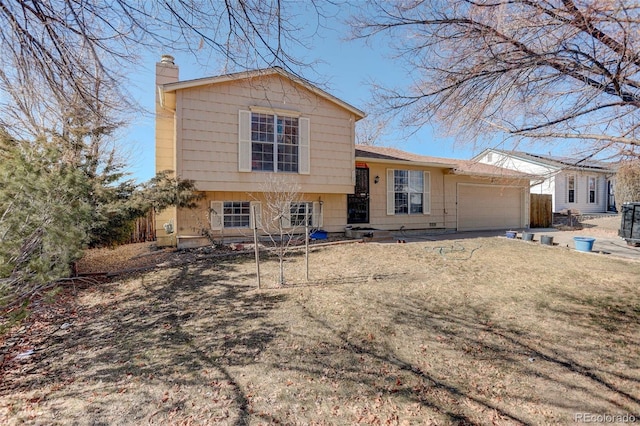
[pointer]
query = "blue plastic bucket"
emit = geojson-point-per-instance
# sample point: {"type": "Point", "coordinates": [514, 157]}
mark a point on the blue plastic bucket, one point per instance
{"type": "Point", "coordinates": [319, 235]}
{"type": "Point", "coordinates": [583, 243]}
{"type": "Point", "coordinates": [511, 234]}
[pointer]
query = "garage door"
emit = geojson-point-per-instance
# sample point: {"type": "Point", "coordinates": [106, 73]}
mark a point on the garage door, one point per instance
{"type": "Point", "coordinates": [489, 207]}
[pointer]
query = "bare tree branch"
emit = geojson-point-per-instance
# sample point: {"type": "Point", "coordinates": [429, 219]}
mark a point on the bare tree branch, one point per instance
{"type": "Point", "coordinates": [543, 69]}
{"type": "Point", "coordinates": [62, 46]}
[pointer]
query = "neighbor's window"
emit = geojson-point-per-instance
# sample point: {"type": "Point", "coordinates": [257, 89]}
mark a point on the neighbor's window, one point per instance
{"type": "Point", "coordinates": [300, 211]}
{"type": "Point", "coordinates": [236, 214]}
{"type": "Point", "coordinates": [571, 189]}
{"type": "Point", "coordinates": [408, 188]}
{"type": "Point", "coordinates": [274, 143]}
{"type": "Point", "coordinates": [592, 190]}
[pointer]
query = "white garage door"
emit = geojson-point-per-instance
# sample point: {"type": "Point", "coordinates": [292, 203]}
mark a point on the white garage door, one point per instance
{"type": "Point", "coordinates": [483, 207]}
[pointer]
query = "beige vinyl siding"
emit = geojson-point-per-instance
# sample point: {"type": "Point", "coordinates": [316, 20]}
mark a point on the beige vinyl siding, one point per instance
{"type": "Point", "coordinates": [334, 214]}
{"type": "Point", "coordinates": [443, 189]}
{"type": "Point", "coordinates": [208, 138]}
{"type": "Point", "coordinates": [433, 218]}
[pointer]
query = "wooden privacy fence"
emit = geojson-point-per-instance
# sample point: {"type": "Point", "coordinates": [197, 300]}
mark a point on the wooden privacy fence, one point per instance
{"type": "Point", "coordinates": [144, 228]}
{"type": "Point", "coordinates": [540, 211]}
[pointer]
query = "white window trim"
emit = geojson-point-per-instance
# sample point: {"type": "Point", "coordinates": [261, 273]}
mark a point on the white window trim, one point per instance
{"type": "Point", "coordinates": [245, 142]}
{"type": "Point", "coordinates": [274, 111]}
{"type": "Point", "coordinates": [426, 193]}
{"type": "Point", "coordinates": [316, 215]}
{"type": "Point", "coordinates": [216, 215]}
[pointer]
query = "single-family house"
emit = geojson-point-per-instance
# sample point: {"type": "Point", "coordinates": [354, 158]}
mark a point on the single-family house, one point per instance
{"type": "Point", "coordinates": [235, 134]}
{"type": "Point", "coordinates": [584, 186]}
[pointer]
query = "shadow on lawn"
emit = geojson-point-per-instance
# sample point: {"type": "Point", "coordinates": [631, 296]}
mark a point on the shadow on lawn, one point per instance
{"type": "Point", "coordinates": [177, 341]}
{"type": "Point", "coordinates": [169, 344]}
{"type": "Point", "coordinates": [553, 365]}
{"type": "Point", "coordinates": [422, 394]}
{"type": "Point", "coordinates": [554, 362]}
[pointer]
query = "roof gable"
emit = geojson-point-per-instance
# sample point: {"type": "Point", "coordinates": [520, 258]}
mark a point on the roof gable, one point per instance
{"type": "Point", "coordinates": [555, 162]}
{"type": "Point", "coordinates": [259, 73]}
{"type": "Point", "coordinates": [460, 167]}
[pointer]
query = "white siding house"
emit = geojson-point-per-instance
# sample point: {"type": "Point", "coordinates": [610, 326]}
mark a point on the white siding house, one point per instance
{"type": "Point", "coordinates": [584, 186]}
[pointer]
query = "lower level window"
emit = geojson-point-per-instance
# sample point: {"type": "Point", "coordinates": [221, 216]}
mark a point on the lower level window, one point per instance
{"type": "Point", "coordinates": [301, 214]}
{"type": "Point", "coordinates": [236, 214]}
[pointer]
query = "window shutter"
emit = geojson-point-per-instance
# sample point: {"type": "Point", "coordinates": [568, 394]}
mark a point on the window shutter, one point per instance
{"type": "Point", "coordinates": [316, 215]}
{"type": "Point", "coordinates": [304, 149]}
{"type": "Point", "coordinates": [215, 214]}
{"type": "Point", "coordinates": [244, 141]}
{"type": "Point", "coordinates": [391, 193]}
{"type": "Point", "coordinates": [286, 215]}
{"type": "Point", "coordinates": [426, 197]}
{"type": "Point", "coordinates": [257, 206]}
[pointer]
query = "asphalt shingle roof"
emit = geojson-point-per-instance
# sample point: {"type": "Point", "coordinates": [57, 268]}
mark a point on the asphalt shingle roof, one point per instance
{"type": "Point", "coordinates": [462, 167]}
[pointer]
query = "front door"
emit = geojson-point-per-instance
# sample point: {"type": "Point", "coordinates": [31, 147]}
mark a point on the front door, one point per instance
{"type": "Point", "coordinates": [358, 203]}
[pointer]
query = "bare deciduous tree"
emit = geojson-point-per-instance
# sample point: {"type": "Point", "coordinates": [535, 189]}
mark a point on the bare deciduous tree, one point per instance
{"type": "Point", "coordinates": [371, 130]}
{"type": "Point", "coordinates": [627, 183]}
{"type": "Point", "coordinates": [278, 223]}
{"type": "Point", "coordinates": [55, 50]}
{"type": "Point", "coordinates": [551, 69]}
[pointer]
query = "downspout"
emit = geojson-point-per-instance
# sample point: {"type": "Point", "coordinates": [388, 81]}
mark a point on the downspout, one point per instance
{"type": "Point", "coordinates": [444, 203]}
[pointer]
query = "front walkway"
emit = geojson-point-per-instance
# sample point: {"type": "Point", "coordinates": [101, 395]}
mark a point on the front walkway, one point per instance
{"type": "Point", "coordinates": [604, 244]}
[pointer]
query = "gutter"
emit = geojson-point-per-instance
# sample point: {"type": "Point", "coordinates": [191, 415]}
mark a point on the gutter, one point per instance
{"type": "Point", "coordinates": [405, 162]}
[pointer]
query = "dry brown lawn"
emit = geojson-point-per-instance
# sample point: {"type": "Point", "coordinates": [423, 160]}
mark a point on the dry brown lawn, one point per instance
{"type": "Point", "coordinates": [480, 331]}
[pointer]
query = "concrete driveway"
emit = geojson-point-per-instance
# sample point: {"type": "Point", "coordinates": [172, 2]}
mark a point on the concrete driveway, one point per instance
{"type": "Point", "coordinates": [605, 243]}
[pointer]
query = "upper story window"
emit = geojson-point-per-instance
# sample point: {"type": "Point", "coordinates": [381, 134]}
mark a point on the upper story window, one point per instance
{"type": "Point", "coordinates": [273, 142]}
{"type": "Point", "coordinates": [408, 192]}
{"type": "Point", "coordinates": [571, 189]}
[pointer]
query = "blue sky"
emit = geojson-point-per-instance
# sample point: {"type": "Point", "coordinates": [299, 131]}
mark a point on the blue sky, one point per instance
{"type": "Point", "coordinates": [346, 66]}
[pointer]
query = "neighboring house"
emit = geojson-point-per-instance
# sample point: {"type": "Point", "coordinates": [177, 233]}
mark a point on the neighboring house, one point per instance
{"type": "Point", "coordinates": [234, 133]}
{"type": "Point", "coordinates": [583, 186]}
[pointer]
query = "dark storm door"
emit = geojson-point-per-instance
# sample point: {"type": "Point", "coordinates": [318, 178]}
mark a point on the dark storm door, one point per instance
{"type": "Point", "coordinates": [358, 203]}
